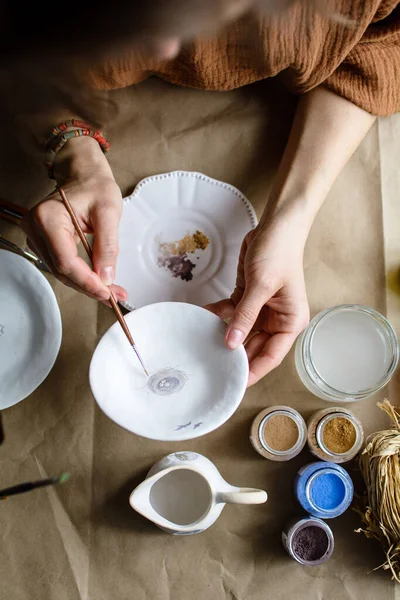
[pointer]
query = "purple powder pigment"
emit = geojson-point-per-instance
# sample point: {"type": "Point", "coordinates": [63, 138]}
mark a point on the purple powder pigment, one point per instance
{"type": "Point", "coordinates": [310, 543]}
{"type": "Point", "coordinates": [328, 491]}
{"type": "Point", "coordinates": [174, 255]}
{"type": "Point", "coordinates": [180, 266]}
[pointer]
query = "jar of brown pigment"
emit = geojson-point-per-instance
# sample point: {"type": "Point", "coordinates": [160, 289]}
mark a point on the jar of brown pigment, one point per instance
{"type": "Point", "coordinates": [335, 435]}
{"type": "Point", "coordinates": [278, 433]}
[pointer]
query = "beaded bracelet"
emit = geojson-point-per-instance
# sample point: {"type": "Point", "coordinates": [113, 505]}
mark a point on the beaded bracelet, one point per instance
{"type": "Point", "coordinates": [57, 139]}
{"type": "Point", "coordinates": [55, 132]}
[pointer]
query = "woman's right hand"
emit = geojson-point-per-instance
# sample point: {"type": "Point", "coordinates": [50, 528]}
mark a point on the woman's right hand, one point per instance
{"type": "Point", "coordinates": [86, 177]}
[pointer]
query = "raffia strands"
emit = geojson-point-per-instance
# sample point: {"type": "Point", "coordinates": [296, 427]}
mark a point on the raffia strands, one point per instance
{"type": "Point", "coordinates": [380, 468]}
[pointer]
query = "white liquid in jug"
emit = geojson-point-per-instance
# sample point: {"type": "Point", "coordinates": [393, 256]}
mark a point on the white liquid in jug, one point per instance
{"type": "Point", "coordinates": [182, 496]}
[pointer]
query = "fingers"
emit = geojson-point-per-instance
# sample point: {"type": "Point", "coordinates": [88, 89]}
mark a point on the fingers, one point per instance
{"type": "Point", "coordinates": [223, 309]}
{"type": "Point", "coordinates": [119, 292]}
{"type": "Point", "coordinates": [105, 220]}
{"type": "Point", "coordinates": [254, 346]}
{"type": "Point", "coordinates": [52, 234]}
{"type": "Point", "coordinates": [246, 314]}
{"type": "Point", "coordinates": [60, 242]}
{"type": "Point", "coordinates": [266, 352]}
{"type": "Point", "coordinates": [41, 251]}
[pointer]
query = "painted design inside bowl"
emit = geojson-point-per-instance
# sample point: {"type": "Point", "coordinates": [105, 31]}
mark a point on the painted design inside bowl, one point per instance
{"type": "Point", "coordinates": [167, 382]}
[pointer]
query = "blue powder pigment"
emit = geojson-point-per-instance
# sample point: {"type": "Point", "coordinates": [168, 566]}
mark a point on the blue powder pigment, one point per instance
{"type": "Point", "coordinates": [328, 491]}
{"type": "Point", "coordinates": [324, 489]}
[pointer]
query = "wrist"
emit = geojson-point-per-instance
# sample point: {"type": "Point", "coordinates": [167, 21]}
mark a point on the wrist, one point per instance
{"type": "Point", "coordinates": [293, 214]}
{"type": "Point", "coordinates": [81, 158]}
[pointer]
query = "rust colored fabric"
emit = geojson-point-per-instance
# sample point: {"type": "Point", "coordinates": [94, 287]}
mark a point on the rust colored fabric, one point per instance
{"type": "Point", "coordinates": [359, 60]}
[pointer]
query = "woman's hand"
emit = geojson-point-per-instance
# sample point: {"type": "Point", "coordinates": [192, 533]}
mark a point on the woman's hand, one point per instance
{"type": "Point", "coordinates": [86, 177]}
{"type": "Point", "coordinates": [269, 301]}
{"type": "Point", "coordinates": [270, 297]}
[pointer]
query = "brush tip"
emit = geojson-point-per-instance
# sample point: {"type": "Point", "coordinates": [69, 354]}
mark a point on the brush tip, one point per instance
{"type": "Point", "coordinates": [63, 478]}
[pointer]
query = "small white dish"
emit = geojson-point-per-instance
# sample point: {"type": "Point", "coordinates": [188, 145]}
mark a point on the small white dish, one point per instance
{"type": "Point", "coordinates": [164, 209]}
{"type": "Point", "coordinates": [196, 383]}
{"type": "Point", "coordinates": [30, 328]}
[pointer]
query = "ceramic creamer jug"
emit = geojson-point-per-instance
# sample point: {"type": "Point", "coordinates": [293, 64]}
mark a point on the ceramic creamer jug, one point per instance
{"type": "Point", "coordinates": [184, 494]}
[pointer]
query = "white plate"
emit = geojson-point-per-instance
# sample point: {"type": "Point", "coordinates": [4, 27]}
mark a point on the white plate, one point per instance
{"type": "Point", "coordinates": [195, 382]}
{"type": "Point", "coordinates": [30, 328]}
{"type": "Point", "coordinates": [164, 209]}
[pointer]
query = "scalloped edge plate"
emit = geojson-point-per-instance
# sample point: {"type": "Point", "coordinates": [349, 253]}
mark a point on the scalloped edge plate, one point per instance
{"type": "Point", "coordinates": [162, 210]}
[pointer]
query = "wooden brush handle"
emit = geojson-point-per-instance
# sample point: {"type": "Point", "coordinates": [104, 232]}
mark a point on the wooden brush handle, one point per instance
{"type": "Point", "coordinates": [82, 237]}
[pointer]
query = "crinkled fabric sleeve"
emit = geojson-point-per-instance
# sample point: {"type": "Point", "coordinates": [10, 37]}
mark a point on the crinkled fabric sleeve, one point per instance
{"type": "Point", "coordinates": [370, 75]}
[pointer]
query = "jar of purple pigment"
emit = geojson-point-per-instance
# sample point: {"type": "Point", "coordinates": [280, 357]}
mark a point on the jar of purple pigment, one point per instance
{"type": "Point", "coordinates": [324, 489]}
{"type": "Point", "coordinates": [308, 540]}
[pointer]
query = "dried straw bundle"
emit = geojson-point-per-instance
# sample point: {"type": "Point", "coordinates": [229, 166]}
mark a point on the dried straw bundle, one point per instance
{"type": "Point", "coordinates": [380, 468]}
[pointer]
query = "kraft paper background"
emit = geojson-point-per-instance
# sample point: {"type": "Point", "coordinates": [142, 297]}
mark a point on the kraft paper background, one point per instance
{"type": "Point", "coordinates": [82, 540]}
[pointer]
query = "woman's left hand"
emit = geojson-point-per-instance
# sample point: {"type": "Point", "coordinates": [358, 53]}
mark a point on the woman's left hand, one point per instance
{"type": "Point", "coordinates": [269, 301]}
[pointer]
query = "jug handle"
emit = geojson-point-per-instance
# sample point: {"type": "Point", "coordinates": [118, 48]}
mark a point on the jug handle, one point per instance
{"type": "Point", "coordinates": [243, 496]}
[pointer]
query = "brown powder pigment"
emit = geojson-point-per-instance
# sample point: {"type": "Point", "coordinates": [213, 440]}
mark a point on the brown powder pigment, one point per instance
{"type": "Point", "coordinates": [187, 245]}
{"type": "Point", "coordinates": [339, 435]}
{"type": "Point", "coordinates": [201, 240]}
{"type": "Point", "coordinates": [280, 433]}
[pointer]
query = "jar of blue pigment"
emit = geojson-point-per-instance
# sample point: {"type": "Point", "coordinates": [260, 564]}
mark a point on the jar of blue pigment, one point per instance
{"type": "Point", "coordinates": [324, 489]}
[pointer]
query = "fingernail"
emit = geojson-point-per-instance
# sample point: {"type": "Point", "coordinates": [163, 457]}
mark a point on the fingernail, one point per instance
{"type": "Point", "coordinates": [107, 275]}
{"type": "Point", "coordinates": [235, 338]}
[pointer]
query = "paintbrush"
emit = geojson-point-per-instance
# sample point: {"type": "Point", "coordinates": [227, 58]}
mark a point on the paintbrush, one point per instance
{"type": "Point", "coordinates": [21, 488]}
{"type": "Point", "coordinates": [25, 253]}
{"type": "Point", "coordinates": [113, 300]}
{"type": "Point", "coordinates": [11, 212]}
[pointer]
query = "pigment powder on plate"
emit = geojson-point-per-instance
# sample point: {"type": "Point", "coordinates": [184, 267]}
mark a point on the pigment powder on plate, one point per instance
{"type": "Point", "coordinates": [310, 543]}
{"type": "Point", "coordinates": [339, 435]}
{"type": "Point", "coordinates": [328, 491]}
{"type": "Point", "coordinates": [173, 256]}
{"type": "Point", "coordinates": [280, 433]}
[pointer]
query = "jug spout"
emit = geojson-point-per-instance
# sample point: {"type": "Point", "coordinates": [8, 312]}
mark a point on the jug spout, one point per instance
{"type": "Point", "coordinates": [140, 498]}
{"type": "Point", "coordinates": [242, 496]}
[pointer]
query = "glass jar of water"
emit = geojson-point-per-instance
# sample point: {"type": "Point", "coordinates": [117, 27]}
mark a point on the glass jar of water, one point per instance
{"type": "Point", "coordinates": [347, 353]}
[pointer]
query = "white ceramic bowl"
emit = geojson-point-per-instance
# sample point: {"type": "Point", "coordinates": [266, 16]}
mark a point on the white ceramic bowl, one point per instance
{"type": "Point", "coordinates": [196, 383]}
